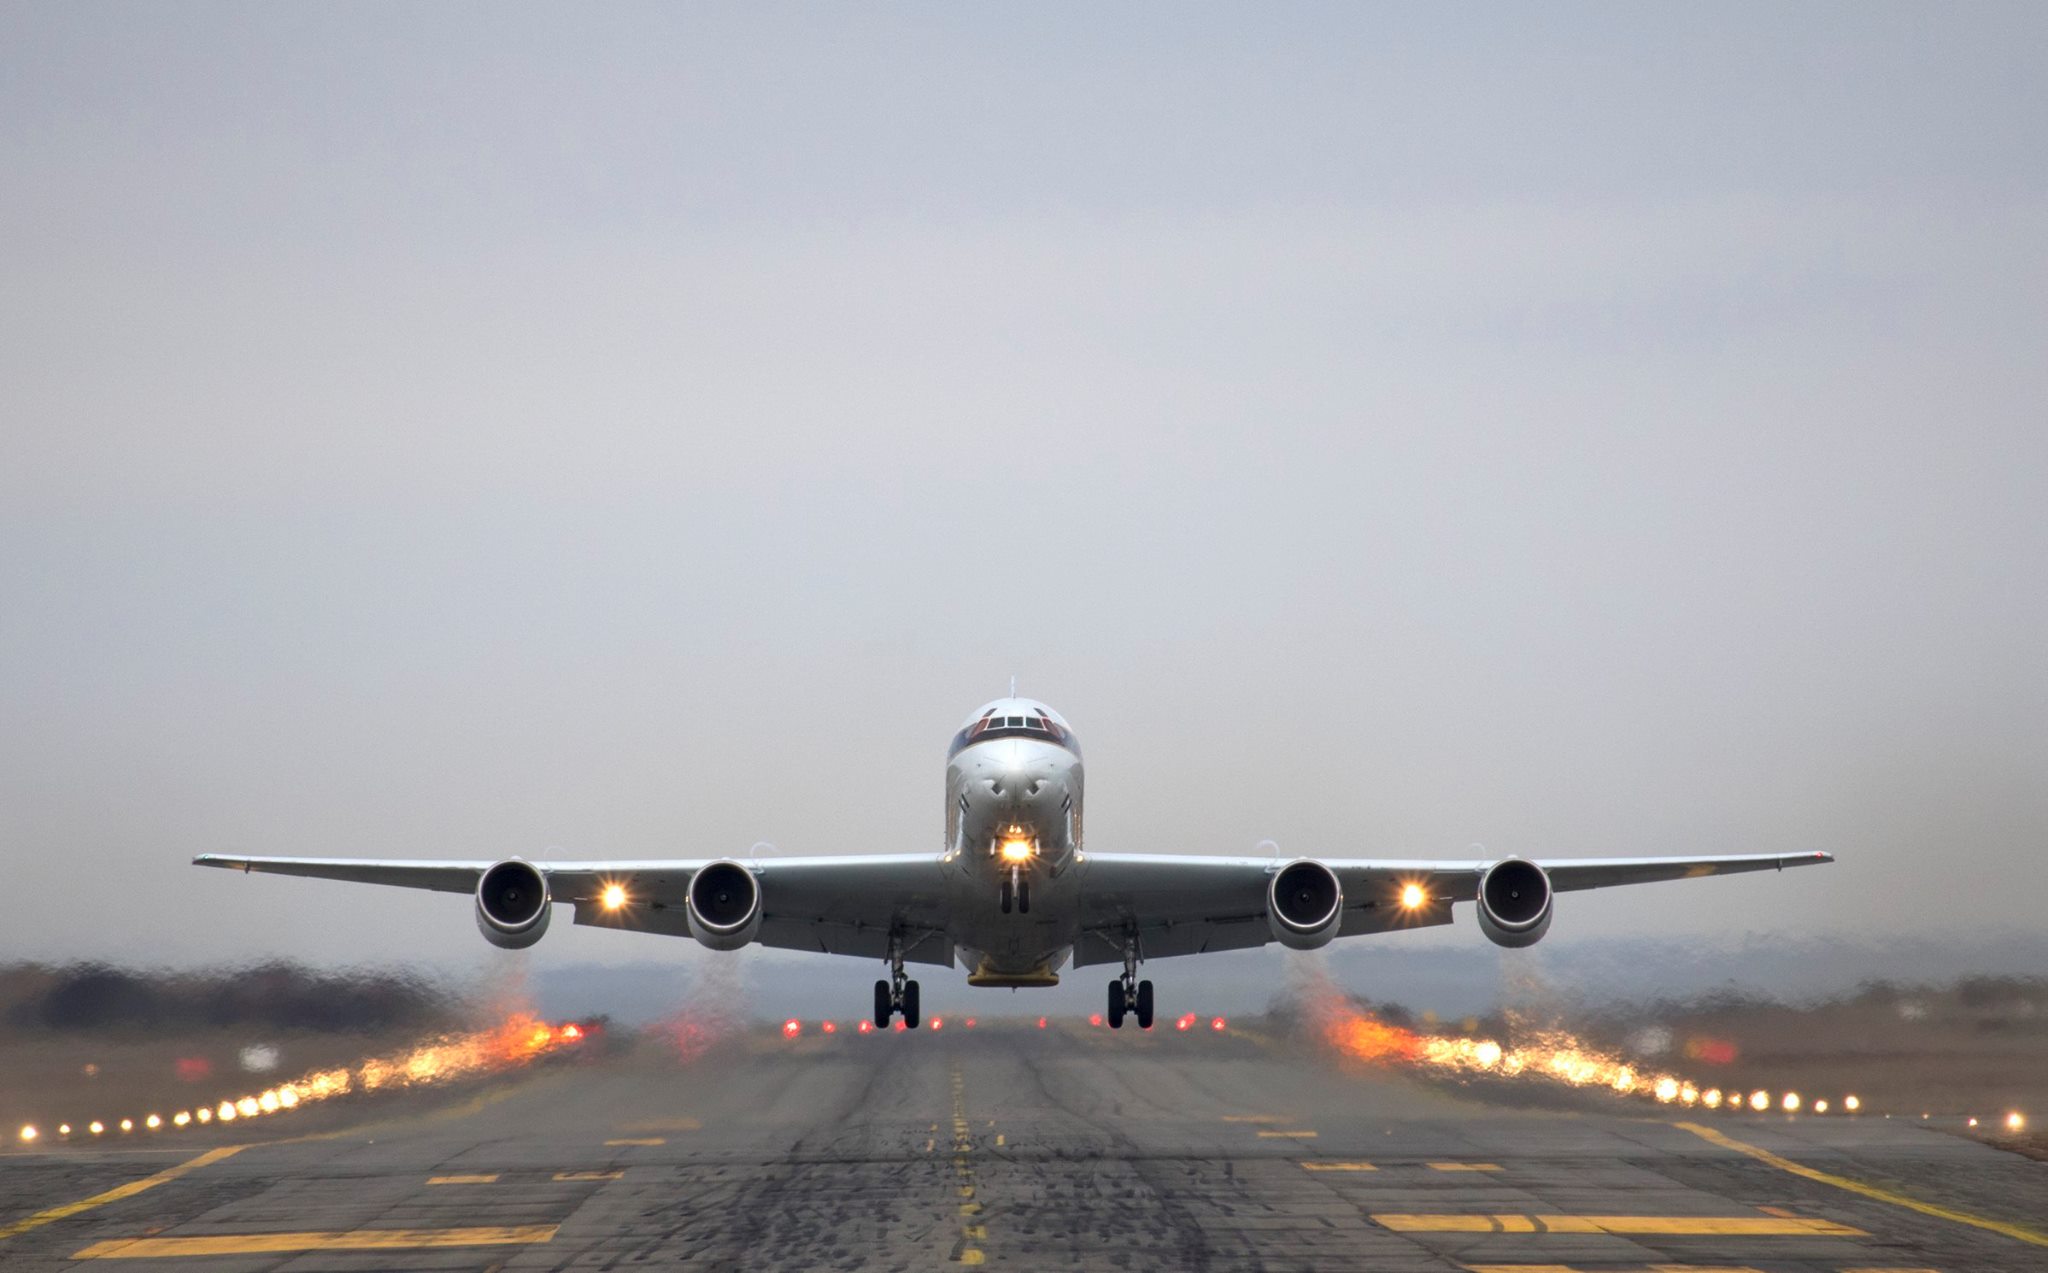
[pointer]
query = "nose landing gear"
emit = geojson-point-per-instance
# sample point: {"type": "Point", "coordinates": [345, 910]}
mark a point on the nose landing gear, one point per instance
{"type": "Point", "coordinates": [1015, 889]}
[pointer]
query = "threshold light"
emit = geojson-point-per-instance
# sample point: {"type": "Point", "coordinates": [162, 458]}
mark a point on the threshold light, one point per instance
{"type": "Point", "coordinates": [1851, 1103]}
{"type": "Point", "coordinates": [2015, 1121]}
{"type": "Point", "coordinates": [28, 1132]}
{"type": "Point", "coordinates": [1759, 1100]}
{"type": "Point", "coordinates": [153, 1122]}
{"type": "Point", "coordinates": [96, 1127]}
{"type": "Point", "coordinates": [1791, 1102]}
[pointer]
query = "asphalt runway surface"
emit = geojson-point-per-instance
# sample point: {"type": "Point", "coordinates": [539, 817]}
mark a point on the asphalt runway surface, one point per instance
{"type": "Point", "coordinates": [1007, 1145]}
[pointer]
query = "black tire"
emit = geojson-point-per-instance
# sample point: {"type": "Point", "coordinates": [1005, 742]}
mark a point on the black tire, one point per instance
{"type": "Point", "coordinates": [1116, 1005]}
{"type": "Point", "coordinates": [1023, 897]}
{"type": "Point", "coordinates": [885, 1006]}
{"type": "Point", "coordinates": [1004, 890]}
{"type": "Point", "coordinates": [1144, 1005]}
{"type": "Point", "coordinates": [911, 1017]}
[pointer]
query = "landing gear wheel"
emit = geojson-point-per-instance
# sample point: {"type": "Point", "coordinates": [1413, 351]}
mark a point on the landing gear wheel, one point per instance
{"type": "Point", "coordinates": [1024, 897]}
{"type": "Point", "coordinates": [1004, 890]}
{"type": "Point", "coordinates": [885, 1005]}
{"type": "Point", "coordinates": [1144, 1005]}
{"type": "Point", "coordinates": [910, 1014]}
{"type": "Point", "coordinates": [1116, 1005]}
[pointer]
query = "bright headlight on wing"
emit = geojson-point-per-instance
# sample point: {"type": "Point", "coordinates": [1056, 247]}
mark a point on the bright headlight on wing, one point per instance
{"type": "Point", "coordinates": [1015, 852]}
{"type": "Point", "coordinates": [1412, 897]}
{"type": "Point", "coordinates": [614, 897]}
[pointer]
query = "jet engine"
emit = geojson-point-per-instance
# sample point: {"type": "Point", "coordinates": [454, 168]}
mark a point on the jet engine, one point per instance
{"type": "Point", "coordinates": [1304, 905]}
{"type": "Point", "coordinates": [512, 904]}
{"type": "Point", "coordinates": [724, 905]}
{"type": "Point", "coordinates": [1514, 903]}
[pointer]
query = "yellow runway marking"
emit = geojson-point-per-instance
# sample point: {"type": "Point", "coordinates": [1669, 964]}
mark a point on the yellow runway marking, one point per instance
{"type": "Point", "coordinates": [1659, 1226]}
{"type": "Point", "coordinates": [1338, 1166]}
{"type": "Point", "coordinates": [118, 1192]}
{"type": "Point", "coordinates": [638, 1140]}
{"type": "Point", "coordinates": [352, 1240]}
{"type": "Point", "coordinates": [2021, 1232]}
{"type": "Point", "coordinates": [589, 1175]}
{"type": "Point", "coordinates": [1304, 1135]}
{"type": "Point", "coordinates": [970, 1255]}
{"type": "Point", "coordinates": [999, 1140]}
{"type": "Point", "coordinates": [1464, 1166]}
{"type": "Point", "coordinates": [490, 1178]}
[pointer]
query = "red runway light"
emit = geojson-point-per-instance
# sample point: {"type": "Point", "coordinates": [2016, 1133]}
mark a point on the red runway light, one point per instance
{"type": "Point", "coordinates": [1095, 1019]}
{"type": "Point", "coordinates": [572, 1032]}
{"type": "Point", "coordinates": [867, 1027]}
{"type": "Point", "coordinates": [1217, 1024]}
{"type": "Point", "coordinates": [901, 1025]}
{"type": "Point", "coordinates": [938, 1023]}
{"type": "Point", "coordinates": [970, 1023]}
{"type": "Point", "coordinates": [1041, 1023]}
{"type": "Point", "coordinates": [829, 1028]}
{"type": "Point", "coordinates": [792, 1028]}
{"type": "Point", "coordinates": [1185, 1023]}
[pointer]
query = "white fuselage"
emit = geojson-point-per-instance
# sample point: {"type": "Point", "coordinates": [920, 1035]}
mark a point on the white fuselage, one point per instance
{"type": "Point", "coordinates": [1013, 832]}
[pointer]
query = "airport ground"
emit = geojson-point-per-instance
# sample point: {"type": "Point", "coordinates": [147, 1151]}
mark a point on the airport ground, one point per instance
{"type": "Point", "coordinates": [1062, 1148]}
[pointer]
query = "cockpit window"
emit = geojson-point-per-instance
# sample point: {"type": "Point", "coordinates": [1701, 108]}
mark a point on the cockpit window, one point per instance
{"type": "Point", "coordinates": [1035, 725]}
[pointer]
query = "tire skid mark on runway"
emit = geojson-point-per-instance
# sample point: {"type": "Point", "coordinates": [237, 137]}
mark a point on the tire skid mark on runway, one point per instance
{"type": "Point", "coordinates": [2021, 1232]}
{"type": "Point", "coordinates": [1179, 1235]}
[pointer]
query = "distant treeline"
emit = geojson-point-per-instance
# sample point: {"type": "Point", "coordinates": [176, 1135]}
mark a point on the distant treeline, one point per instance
{"type": "Point", "coordinates": [278, 996]}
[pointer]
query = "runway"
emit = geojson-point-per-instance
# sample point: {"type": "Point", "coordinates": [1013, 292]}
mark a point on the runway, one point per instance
{"type": "Point", "coordinates": [1007, 1145]}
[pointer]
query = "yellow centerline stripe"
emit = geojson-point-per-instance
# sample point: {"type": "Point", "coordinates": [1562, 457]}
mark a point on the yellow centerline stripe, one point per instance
{"type": "Point", "coordinates": [351, 1240]}
{"type": "Point", "coordinates": [2010, 1230]}
{"type": "Point", "coordinates": [480, 1178]}
{"type": "Point", "coordinates": [129, 1190]}
{"type": "Point", "coordinates": [1659, 1226]}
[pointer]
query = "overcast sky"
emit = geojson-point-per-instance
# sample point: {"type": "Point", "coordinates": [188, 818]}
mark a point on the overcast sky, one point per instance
{"type": "Point", "coordinates": [628, 431]}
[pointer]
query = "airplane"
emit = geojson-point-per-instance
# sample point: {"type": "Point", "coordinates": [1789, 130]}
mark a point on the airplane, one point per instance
{"type": "Point", "coordinates": [1014, 896]}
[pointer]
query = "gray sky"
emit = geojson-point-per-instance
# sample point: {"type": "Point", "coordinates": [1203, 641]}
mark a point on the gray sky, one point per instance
{"type": "Point", "coordinates": [468, 431]}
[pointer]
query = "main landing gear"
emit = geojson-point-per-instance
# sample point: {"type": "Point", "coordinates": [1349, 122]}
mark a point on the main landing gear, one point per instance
{"type": "Point", "coordinates": [1129, 995]}
{"type": "Point", "coordinates": [897, 994]}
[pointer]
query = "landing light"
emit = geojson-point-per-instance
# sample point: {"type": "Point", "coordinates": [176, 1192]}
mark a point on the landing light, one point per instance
{"type": "Point", "coordinates": [614, 897]}
{"type": "Point", "coordinates": [1016, 851]}
{"type": "Point", "coordinates": [1412, 897]}
{"type": "Point", "coordinates": [28, 1133]}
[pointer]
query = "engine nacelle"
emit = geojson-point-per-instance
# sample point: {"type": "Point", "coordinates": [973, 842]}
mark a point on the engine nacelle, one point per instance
{"type": "Point", "coordinates": [1514, 903]}
{"type": "Point", "coordinates": [1304, 905]}
{"type": "Point", "coordinates": [724, 905]}
{"type": "Point", "coordinates": [512, 904]}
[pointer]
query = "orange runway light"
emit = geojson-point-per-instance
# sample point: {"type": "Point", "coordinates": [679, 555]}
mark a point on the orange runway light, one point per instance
{"type": "Point", "coordinates": [2015, 1121]}
{"type": "Point", "coordinates": [28, 1133]}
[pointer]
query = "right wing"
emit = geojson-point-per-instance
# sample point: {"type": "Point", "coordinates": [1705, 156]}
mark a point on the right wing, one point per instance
{"type": "Point", "coordinates": [1186, 904]}
{"type": "Point", "coordinates": [828, 905]}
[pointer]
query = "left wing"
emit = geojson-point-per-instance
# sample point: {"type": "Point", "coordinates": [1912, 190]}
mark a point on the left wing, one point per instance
{"type": "Point", "coordinates": [1184, 904]}
{"type": "Point", "coordinates": [832, 905]}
